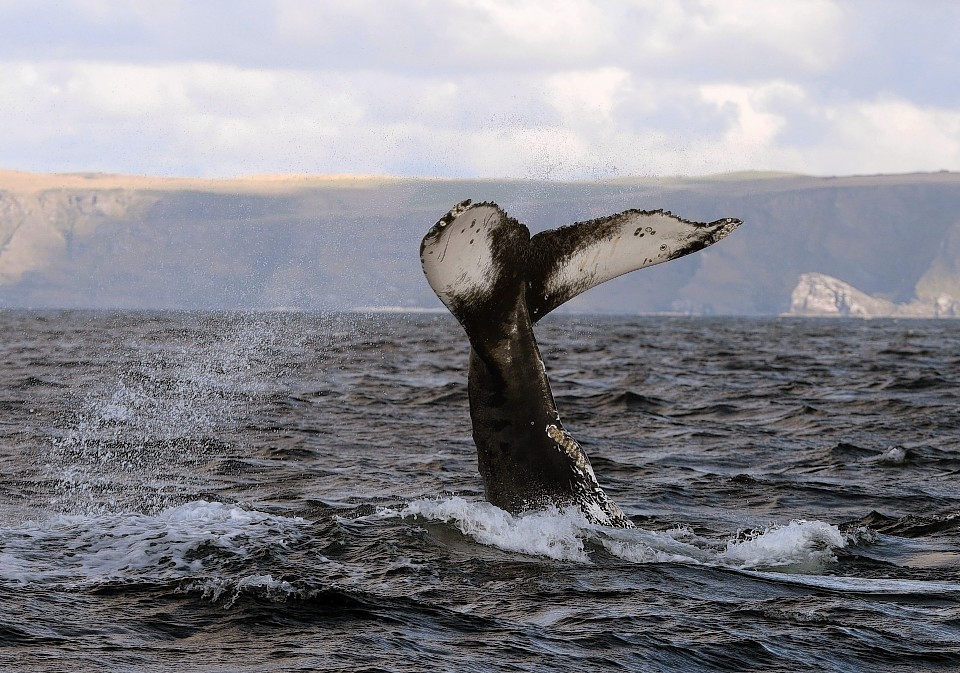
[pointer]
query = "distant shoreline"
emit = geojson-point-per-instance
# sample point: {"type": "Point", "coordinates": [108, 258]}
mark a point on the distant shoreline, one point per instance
{"type": "Point", "coordinates": [26, 182]}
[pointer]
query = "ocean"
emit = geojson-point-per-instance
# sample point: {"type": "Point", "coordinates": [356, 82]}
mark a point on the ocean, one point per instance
{"type": "Point", "coordinates": [299, 492]}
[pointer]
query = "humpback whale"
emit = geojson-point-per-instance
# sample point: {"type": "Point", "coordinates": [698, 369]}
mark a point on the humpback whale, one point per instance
{"type": "Point", "coordinates": [498, 281]}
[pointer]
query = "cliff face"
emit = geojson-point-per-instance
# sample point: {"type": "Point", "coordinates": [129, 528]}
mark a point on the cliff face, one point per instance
{"type": "Point", "coordinates": [943, 276]}
{"type": "Point", "coordinates": [38, 231]}
{"type": "Point", "coordinates": [313, 243]}
{"type": "Point", "coordinates": [819, 295]}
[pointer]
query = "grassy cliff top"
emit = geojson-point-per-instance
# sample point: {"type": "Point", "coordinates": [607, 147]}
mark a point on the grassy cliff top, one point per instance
{"type": "Point", "coordinates": [22, 182]}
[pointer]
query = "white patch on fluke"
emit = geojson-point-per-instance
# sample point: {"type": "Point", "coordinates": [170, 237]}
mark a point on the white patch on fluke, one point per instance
{"type": "Point", "coordinates": [639, 239]}
{"type": "Point", "coordinates": [457, 256]}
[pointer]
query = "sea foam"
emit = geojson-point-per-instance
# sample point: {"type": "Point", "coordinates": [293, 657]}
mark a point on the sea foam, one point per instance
{"type": "Point", "coordinates": [565, 534]}
{"type": "Point", "coordinates": [197, 538]}
{"type": "Point", "coordinates": [551, 533]}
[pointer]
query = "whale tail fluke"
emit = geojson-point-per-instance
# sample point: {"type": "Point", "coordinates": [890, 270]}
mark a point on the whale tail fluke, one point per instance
{"type": "Point", "coordinates": [477, 256]}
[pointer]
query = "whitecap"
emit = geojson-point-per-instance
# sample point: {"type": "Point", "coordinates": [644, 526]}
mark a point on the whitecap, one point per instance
{"type": "Point", "coordinates": [177, 543]}
{"type": "Point", "coordinates": [804, 545]}
{"type": "Point", "coordinates": [678, 545]}
{"type": "Point", "coordinates": [551, 533]}
{"type": "Point", "coordinates": [228, 591]}
{"type": "Point", "coordinates": [799, 546]}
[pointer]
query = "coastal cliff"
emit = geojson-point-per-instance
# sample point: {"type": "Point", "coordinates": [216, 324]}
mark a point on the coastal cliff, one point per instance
{"type": "Point", "coordinates": [817, 294]}
{"type": "Point", "coordinates": [338, 242]}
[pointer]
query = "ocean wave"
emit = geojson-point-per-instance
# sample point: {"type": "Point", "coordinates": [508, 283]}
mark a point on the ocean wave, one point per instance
{"type": "Point", "coordinates": [551, 533]}
{"type": "Point", "coordinates": [71, 550]}
{"type": "Point", "coordinates": [565, 534]}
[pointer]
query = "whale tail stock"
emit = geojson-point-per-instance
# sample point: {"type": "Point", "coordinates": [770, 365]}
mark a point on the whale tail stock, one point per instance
{"type": "Point", "coordinates": [497, 281]}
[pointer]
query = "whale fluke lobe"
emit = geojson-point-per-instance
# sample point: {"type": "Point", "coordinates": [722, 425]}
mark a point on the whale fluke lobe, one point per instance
{"type": "Point", "coordinates": [473, 258]}
{"type": "Point", "coordinates": [497, 281]}
{"type": "Point", "coordinates": [575, 258]}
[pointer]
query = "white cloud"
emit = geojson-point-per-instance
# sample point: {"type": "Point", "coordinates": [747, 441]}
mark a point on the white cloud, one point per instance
{"type": "Point", "coordinates": [530, 35]}
{"type": "Point", "coordinates": [808, 34]}
{"type": "Point", "coordinates": [549, 28]}
{"type": "Point", "coordinates": [891, 136]}
{"type": "Point", "coordinates": [225, 117]}
{"type": "Point", "coordinates": [587, 96]}
{"type": "Point", "coordinates": [571, 88]}
{"type": "Point", "coordinates": [754, 129]}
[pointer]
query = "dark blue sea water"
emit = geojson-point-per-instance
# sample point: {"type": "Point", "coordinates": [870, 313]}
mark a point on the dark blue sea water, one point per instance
{"type": "Point", "coordinates": [207, 492]}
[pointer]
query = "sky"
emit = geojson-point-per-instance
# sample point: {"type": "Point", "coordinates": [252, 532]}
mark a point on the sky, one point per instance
{"type": "Point", "coordinates": [554, 89]}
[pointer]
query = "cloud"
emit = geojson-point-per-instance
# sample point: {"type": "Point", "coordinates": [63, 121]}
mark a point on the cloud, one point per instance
{"type": "Point", "coordinates": [762, 36]}
{"type": "Point", "coordinates": [435, 35]}
{"type": "Point", "coordinates": [563, 89]}
{"type": "Point", "coordinates": [891, 135]}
